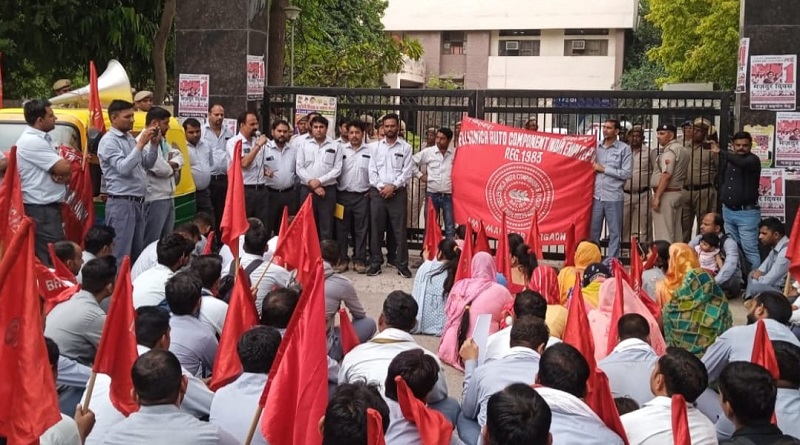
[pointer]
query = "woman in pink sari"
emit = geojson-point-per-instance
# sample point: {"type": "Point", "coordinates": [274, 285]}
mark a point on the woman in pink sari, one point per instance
{"type": "Point", "coordinates": [468, 299]}
{"type": "Point", "coordinates": [600, 318]}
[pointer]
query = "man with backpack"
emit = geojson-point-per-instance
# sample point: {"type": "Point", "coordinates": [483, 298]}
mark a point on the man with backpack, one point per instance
{"type": "Point", "coordinates": [735, 268]}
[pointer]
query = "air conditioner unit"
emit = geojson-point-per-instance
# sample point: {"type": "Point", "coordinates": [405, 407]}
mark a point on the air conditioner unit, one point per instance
{"type": "Point", "coordinates": [578, 45]}
{"type": "Point", "coordinates": [512, 45]}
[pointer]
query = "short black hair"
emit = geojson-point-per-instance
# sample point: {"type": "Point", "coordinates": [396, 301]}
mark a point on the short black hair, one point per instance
{"type": "Point", "coordinates": [98, 273]}
{"type": "Point", "coordinates": [346, 415]}
{"type": "Point", "coordinates": [171, 248]}
{"type": "Point", "coordinates": [773, 224]}
{"type": "Point", "coordinates": [190, 229]}
{"type": "Point", "coordinates": [214, 104]}
{"type": "Point", "coordinates": [65, 250]}
{"type": "Point", "coordinates": [683, 373]}
{"type": "Point", "coordinates": [514, 240]}
{"type": "Point", "coordinates": [712, 239]}
{"type": "Point", "coordinates": [530, 303]}
{"type": "Point", "coordinates": [256, 239]}
{"type": "Point", "coordinates": [34, 109]}
{"type": "Point", "coordinates": [391, 116]}
{"type": "Point", "coordinates": [157, 114]}
{"type": "Point", "coordinates": [52, 351]}
{"type": "Point", "coordinates": [777, 305]}
{"type": "Point", "coordinates": [743, 135]}
{"type": "Point", "coordinates": [257, 348]}
{"type": "Point", "coordinates": [564, 368]}
{"type": "Point", "coordinates": [191, 122]}
{"type": "Point", "coordinates": [419, 370]}
{"type": "Point", "coordinates": [319, 119]}
{"type": "Point", "coordinates": [625, 405]}
{"type": "Point", "coordinates": [633, 326]}
{"type": "Point", "coordinates": [183, 291]}
{"type": "Point", "coordinates": [750, 390]}
{"type": "Point", "coordinates": [116, 106]}
{"type": "Point", "coordinates": [718, 221]}
{"type": "Point", "coordinates": [156, 377]}
{"type": "Point", "coordinates": [517, 415]}
{"type": "Point", "coordinates": [277, 123]}
{"type": "Point", "coordinates": [278, 307]}
{"type": "Point", "coordinates": [208, 268]}
{"type": "Point", "coordinates": [242, 118]}
{"type": "Point", "coordinates": [788, 357]}
{"type": "Point", "coordinates": [98, 237]}
{"type": "Point", "coordinates": [461, 233]}
{"type": "Point", "coordinates": [616, 123]}
{"type": "Point", "coordinates": [400, 310]}
{"type": "Point", "coordinates": [358, 124]}
{"type": "Point", "coordinates": [152, 323]}
{"type": "Point", "coordinates": [203, 218]}
{"type": "Point", "coordinates": [330, 251]}
{"type": "Point", "coordinates": [448, 133]}
{"type": "Point", "coordinates": [530, 332]}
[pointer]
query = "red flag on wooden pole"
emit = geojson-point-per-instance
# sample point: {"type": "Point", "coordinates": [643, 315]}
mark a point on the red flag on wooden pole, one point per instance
{"type": "Point", "coordinates": [209, 243]}
{"type": "Point", "coordinates": [577, 331]}
{"type": "Point", "coordinates": [348, 334]}
{"type": "Point", "coordinates": [234, 218]}
{"type": "Point", "coordinates": [482, 240]}
{"type": "Point", "coordinates": [12, 210]}
{"type": "Point", "coordinates": [502, 257]}
{"type": "Point", "coordinates": [433, 427]}
{"type": "Point", "coordinates": [617, 308]}
{"type": "Point", "coordinates": [465, 260]}
{"type": "Point", "coordinates": [300, 241]}
{"type": "Point", "coordinates": [636, 265]}
{"type": "Point", "coordinates": [61, 269]}
{"type": "Point", "coordinates": [533, 239]}
{"type": "Point", "coordinates": [433, 233]}
{"type": "Point", "coordinates": [95, 108]}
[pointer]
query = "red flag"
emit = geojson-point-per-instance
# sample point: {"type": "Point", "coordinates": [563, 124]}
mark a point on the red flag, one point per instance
{"type": "Point", "coordinates": [284, 227]}
{"type": "Point", "coordinates": [577, 331]}
{"type": "Point", "coordinates": [347, 332]}
{"type": "Point", "coordinates": [234, 218]}
{"type": "Point", "coordinates": [209, 242]}
{"type": "Point", "coordinates": [117, 351]}
{"type": "Point", "coordinates": [433, 427]}
{"type": "Point", "coordinates": [300, 242]}
{"type": "Point", "coordinates": [242, 315]}
{"type": "Point", "coordinates": [502, 258]}
{"type": "Point", "coordinates": [465, 260]}
{"type": "Point", "coordinates": [62, 271]}
{"type": "Point", "coordinates": [534, 239]}
{"type": "Point", "coordinates": [618, 306]}
{"type": "Point", "coordinates": [296, 393]}
{"type": "Point", "coordinates": [53, 289]}
{"type": "Point", "coordinates": [636, 265]}
{"type": "Point", "coordinates": [77, 210]}
{"type": "Point", "coordinates": [602, 403]}
{"type": "Point", "coordinates": [27, 388]}
{"type": "Point", "coordinates": [763, 353]}
{"type": "Point", "coordinates": [482, 241]}
{"type": "Point", "coordinates": [375, 428]}
{"type": "Point", "coordinates": [570, 246]}
{"type": "Point", "coordinates": [793, 252]}
{"type": "Point", "coordinates": [652, 306]}
{"type": "Point", "coordinates": [651, 259]}
{"type": "Point", "coordinates": [680, 421]}
{"type": "Point", "coordinates": [12, 210]}
{"type": "Point", "coordinates": [95, 108]}
{"type": "Point", "coordinates": [433, 233]}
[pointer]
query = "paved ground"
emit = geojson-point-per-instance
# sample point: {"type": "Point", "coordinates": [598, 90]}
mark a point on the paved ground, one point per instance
{"type": "Point", "coordinates": [373, 290]}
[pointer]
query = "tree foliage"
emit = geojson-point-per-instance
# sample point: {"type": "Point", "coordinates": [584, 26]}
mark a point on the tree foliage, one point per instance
{"type": "Point", "coordinates": [699, 40]}
{"type": "Point", "coordinates": [639, 72]}
{"type": "Point", "coordinates": [342, 43]}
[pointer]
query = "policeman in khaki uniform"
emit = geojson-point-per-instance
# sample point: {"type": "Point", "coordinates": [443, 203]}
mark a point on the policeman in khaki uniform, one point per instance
{"type": "Point", "coordinates": [669, 173]}
{"type": "Point", "coordinates": [636, 219]}
{"type": "Point", "coordinates": [699, 190]}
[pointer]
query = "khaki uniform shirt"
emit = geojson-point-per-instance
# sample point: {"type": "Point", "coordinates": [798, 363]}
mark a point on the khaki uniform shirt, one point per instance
{"type": "Point", "coordinates": [672, 160]}
{"type": "Point", "coordinates": [702, 166]}
{"type": "Point", "coordinates": [642, 169]}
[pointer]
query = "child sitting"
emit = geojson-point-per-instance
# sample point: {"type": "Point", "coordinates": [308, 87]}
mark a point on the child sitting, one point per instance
{"type": "Point", "coordinates": [708, 253]}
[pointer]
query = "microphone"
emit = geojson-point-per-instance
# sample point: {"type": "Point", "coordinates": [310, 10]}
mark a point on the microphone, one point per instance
{"type": "Point", "coordinates": [258, 134]}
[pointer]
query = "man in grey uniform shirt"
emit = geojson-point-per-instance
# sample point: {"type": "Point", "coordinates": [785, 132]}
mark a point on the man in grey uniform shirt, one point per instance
{"type": "Point", "coordinates": [352, 195]}
{"type": "Point", "coordinates": [279, 169]}
{"type": "Point", "coordinates": [124, 162]}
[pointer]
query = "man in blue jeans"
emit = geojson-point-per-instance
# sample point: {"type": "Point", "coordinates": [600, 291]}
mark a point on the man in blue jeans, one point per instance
{"type": "Point", "coordinates": [613, 166]}
{"type": "Point", "coordinates": [437, 163]}
{"type": "Point", "coordinates": [741, 173]}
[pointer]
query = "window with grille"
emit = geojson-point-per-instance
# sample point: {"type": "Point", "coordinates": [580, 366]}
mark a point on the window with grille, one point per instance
{"type": "Point", "coordinates": [520, 48]}
{"type": "Point", "coordinates": [585, 47]}
{"type": "Point", "coordinates": [454, 42]}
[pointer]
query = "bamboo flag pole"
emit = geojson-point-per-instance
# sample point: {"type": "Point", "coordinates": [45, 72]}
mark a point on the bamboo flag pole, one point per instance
{"type": "Point", "coordinates": [788, 286]}
{"type": "Point", "coordinates": [263, 273]}
{"type": "Point", "coordinates": [253, 425]}
{"type": "Point", "coordinates": [89, 390]}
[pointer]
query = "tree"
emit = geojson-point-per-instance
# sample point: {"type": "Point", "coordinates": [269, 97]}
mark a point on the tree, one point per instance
{"type": "Point", "coordinates": [160, 50]}
{"type": "Point", "coordinates": [639, 72]}
{"type": "Point", "coordinates": [699, 40]}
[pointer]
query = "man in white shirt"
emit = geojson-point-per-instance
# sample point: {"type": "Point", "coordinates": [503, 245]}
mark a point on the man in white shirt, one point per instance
{"type": "Point", "coordinates": [520, 365]}
{"type": "Point", "coordinates": [217, 136]}
{"type": "Point", "coordinates": [389, 174]}
{"type": "Point", "coordinates": [676, 372]}
{"type": "Point", "coordinates": [370, 361]}
{"type": "Point", "coordinates": [517, 414]}
{"type": "Point", "coordinates": [526, 304]}
{"type": "Point", "coordinates": [70, 254]}
{"type": "Point", "coordinates": [280, 164]}
{"type": "Point", "coordinates": [192, 341]}
{"type": "Point", "coordinates": [345, 419]}
{"type": "Point", "coordinates": [43, 175]}
{"type": "Point", "coordinates": [149, 257]}
{"type": "Point", "coordinates": [152, 333]}
{"type": "Point", "coordinates": [159, 207]}
{"type": "Point", "coordinates": [212, 310]}
{"type": "Point", "coordinates": [319, 164]}
{"type": "Point", "coordinates": [434, 166]}
{"type": "Point", "coordinates": [68, 431]}
{"type": "Point", "coordinates": [563, 374]}
{"type": "Point", "coordinates": [174, 252]}
{"type": "Point", "coordinates": [235, 403]}
{"type": "Point", "coordinates": [98, 243]}
{"type": "Point", "coordinates": [631, 363]}
{"type": "Point", "coordinates": [201, 158]}
{"type": "Point", "coordinates": [352, 195]}
{"type": "Point", "coordinates": [256, 198]}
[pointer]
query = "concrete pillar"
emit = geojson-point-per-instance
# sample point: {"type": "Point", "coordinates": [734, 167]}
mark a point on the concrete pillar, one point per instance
{"type": "Point", "coordinates": [214, 37]}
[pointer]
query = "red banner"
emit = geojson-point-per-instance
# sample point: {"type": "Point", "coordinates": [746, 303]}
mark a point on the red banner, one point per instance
{"type": "Point", "coordinates": [500, 169]}
{"type": "Point", "coordinates": [78, 209]}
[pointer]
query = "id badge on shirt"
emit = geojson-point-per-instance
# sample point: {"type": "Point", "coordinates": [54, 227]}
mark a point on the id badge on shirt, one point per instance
{"type": "Point", "coordinates": [330, 157]}
{"type": "Point", "coordinates": [397, 161]}
{"type": "Point", "coordinates": [272, 163]}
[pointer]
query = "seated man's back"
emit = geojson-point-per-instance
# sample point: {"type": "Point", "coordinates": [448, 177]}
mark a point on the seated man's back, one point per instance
{"type": "Point", "coordinates": [630, 364]}
{"type": "Point", "coordinates": [192, 341]}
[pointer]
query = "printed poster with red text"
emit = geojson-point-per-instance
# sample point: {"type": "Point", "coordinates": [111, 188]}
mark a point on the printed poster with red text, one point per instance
{"type": "Point", "coordinates": [193, 95]}
{"type": "Point", "coordinates": [500, 169]}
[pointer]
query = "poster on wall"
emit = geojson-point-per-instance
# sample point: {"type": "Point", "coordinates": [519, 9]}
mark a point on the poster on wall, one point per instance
{"type": "Point", "coordinates": [256, 77]}
{"type": "Point", "coordinates": [787, 140]}
{"type": "Point", "coordinates": [771, 195]}
{"type": "Point", "coordinates": [193, 95]}
{"type": "Point", "coordinates": [773, 82]}
{"type": "Point", "coordinates": [230, 124]}
{"type": "Point", "coordinates": [741, 67]}
{"type": "Point", "coordinates": [324, 105]}
{"type": "Point", "coordinates": [763, 142]}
